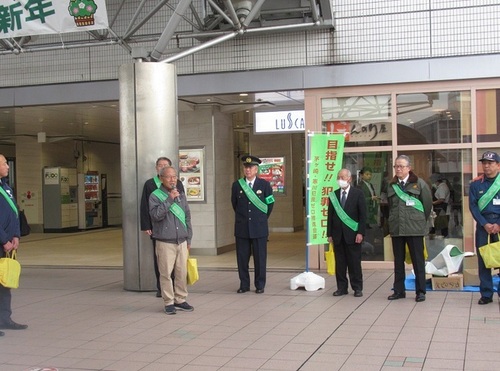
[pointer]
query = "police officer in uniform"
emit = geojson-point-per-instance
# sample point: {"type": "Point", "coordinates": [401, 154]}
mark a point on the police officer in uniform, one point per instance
{"type": "Point", "coordinates": [484, 204]}
{"type": "Point", "coordinates": [252, 200]}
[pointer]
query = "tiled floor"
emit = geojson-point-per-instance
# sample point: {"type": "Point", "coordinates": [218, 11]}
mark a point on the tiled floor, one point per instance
{"type": "Point", "coordinates": [80, 318]}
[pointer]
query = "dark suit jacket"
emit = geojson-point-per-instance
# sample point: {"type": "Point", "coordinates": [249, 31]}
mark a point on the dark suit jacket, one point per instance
{"type": "Point", "coordinates": [355, 207]}
{"type": "Point", "coordinates": [250, 222]}
{"type": "Point", "coordinates": [150, 187]}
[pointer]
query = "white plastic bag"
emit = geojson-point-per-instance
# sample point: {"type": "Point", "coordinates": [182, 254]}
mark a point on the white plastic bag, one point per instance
{"type": "Point", "coordinates": [448, 261]}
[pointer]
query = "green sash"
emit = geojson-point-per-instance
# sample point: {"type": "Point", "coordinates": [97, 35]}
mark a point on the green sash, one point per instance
{"type": "Point", "coordinates": [174, 208]}
{"type": "Point", "coordinates": [254, 198]}
{"type": "Point", "coordinates": [346, 219]}
{"type": "Point", "coordinates": [406, 197]}
{"type": "Point", "coordinates": [157, 181]}
{"type": "Point", "coordinates": [490, 193]}
{"type": "Point", "coordinates": [9, 200]}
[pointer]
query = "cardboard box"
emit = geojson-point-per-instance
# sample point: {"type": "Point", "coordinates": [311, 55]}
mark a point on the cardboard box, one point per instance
{"type": "Point", "coordinates": [454, 282]}
{"type": "Point", "coordinates": [470, 262]}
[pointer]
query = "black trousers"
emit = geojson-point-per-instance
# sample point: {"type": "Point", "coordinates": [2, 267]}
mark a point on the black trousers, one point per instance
{"type": "Point", "coordinates": [416, 248]}
{"type": "Point", "coordinates": [258, 248]}
{"type": "Point", "coordinates": [348, 260]}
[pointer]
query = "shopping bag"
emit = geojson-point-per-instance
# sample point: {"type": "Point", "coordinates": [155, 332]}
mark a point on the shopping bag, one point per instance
{"type": "Point", "coordinates": [491, 253]}
{"type": "Point", "coordinates": [408, 256]}
{"type": "Point", "coordinates": [10, 270]}
{"type": "Point", "coordinates": [448, 261]}
{"type": "Point", "coordinates": [330, 260]}
{"type": "Point", "coordinates": [23, 223]}
{"type": "Point", "coordinates": [192, 271]}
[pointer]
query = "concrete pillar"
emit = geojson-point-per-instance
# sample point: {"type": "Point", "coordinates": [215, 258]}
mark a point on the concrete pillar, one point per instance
{"type": "Point", "coordinates": [148, 130]}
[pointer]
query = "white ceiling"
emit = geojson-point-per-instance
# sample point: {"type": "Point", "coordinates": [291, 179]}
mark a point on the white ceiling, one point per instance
{"type": "Point", "coordinates": [100, 122]}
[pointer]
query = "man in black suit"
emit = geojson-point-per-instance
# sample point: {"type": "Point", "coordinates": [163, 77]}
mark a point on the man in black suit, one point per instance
{"type": "Point", "coordinates": [346, 229]}
{"type": "Point", "coordinates": [150, 186]}
{"type": "Point", "coordinates": [252, 200]}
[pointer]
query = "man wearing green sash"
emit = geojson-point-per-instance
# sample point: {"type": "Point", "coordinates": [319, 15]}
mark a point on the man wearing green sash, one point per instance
{"type": "Point", "coordinates": [410, 204]}
{"type": "Point", "coordinates": [151, 185]}
{"type": "Point", "coordinates": [346, 227]}
{"type": "Point", "coordinates": [252, 201]}
{"type": "Point", "coordinates": [9, 239]}
{"type": "Point", "coordinates": [484, 204]}
{"type": "Point", "coordinates": [172, 231]}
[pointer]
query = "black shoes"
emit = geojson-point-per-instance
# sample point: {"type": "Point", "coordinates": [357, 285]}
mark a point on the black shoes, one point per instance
{"type": "Point", "coordinates": [170, 309]}
{"type": "Point", "coordinates": [2, 333]}
{"type": "Point", "coordinates": [242, 290]}
{"type": "Point", "coordinates": [358, 293]}
{"type": "Point", "coordinates": [484, 300]}
{"type": "Point", "coordinates": [420, 297]}
{"type": "Point", "coordinates": [184, 306]}
{"type": "Point", "coordinates": [259, 291]}
{"type": "Point", "coordinates": [158, 293]}
{"type": "Point", "coordinates": [11, 325]}
{"type": "Point", "coordinates": [339, 293]}
{"type": "Point", "coordinates": [396, 296]}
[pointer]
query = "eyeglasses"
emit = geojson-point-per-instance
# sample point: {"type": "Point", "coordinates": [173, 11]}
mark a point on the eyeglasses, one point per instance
{"type": "Point", "coordinates": [399, 166]}
{"type": "Point", "coordinates": [168, 176]}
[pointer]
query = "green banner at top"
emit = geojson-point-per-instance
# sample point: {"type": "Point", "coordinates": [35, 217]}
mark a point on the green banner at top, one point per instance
{"type": "Point", "coordinates": [325, 161]}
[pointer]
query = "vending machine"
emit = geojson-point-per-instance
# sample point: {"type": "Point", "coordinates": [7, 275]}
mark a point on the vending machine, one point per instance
{"type": "Point", "coordinates": [89, 200]}
{"type": "Point", "coordinates": [60, 201]}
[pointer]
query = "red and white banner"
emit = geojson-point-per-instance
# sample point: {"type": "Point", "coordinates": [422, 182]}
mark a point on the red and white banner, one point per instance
{"type": "Point", "coordinates": [38, 17]}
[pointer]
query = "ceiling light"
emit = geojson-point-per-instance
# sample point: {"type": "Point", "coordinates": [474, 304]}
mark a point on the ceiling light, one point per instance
{"type": "Point", "coordinates": [243, 95]}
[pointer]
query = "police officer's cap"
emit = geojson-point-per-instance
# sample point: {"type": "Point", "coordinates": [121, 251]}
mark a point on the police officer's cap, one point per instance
{"type": "Point", "coordinates": [490, 156]}
{"type": "Point", "coordinates": [250, 160]}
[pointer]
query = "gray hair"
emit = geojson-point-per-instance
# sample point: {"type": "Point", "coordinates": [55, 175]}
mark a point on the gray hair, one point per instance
{"type": "Point", "coordinates": [404, 157]}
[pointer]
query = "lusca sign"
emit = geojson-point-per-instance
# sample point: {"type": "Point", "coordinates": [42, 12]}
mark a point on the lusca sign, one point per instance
{"type": "Point", "coordinates": [277, 122]}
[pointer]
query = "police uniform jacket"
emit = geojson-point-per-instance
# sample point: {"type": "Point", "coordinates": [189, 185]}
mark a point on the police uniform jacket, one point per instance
{"type": "Point", "coordinates": [491, 212]}
{"type": "Point", "coordinates": [250, 222]}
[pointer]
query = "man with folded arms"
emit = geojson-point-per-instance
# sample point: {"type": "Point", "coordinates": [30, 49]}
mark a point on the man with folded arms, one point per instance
{"type": "Point", "coordinates": [484, 204]}
{"type": "Point", "coordinates": [410, 204]}
{"type": "Point", "coordinates": [9, 239]}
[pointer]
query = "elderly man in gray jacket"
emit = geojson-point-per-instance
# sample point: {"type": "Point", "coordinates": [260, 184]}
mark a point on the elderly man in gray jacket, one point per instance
{"type": "Point", "coordinates": [410, 204]}
{"type": "Point", "coordinates": [171, 220]}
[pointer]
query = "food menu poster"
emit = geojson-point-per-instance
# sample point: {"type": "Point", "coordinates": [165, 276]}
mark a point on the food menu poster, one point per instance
{"type": "Point", "coordinates": [325, 161]}
{"type": "Point", "coordinates": [191, 173]}
{"type": "Point", "coordinates": [272, 169]}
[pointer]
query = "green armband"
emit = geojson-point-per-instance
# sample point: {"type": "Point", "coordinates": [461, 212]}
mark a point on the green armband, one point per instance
{"type": "Point", "coordinates": [269, 199]}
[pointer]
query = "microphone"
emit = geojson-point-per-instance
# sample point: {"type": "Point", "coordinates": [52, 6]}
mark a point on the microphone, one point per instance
{"type": "Point", "coordinates": [174, 188]}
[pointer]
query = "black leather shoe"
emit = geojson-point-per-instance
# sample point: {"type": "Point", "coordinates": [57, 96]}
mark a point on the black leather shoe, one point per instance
{"type": "Point", "coordinates": [484, 300]}
{"type": "Point", "coordinates": [11, 325]}
{"type": "Point", "coordinates": [241, 290]}
{"type": "Point", "coordinates": [2, 333]}
{"type": "Point", "coordinates": [420, 297]}
{"type": "Point", "coordinates": [259, 291]}
{"type": "Point", "coordinates": [358, 293]}
{"type": "Point", "coordinates": [339, 293]}
{"type": "Point", "coordinates": [396, 296]}
{"type": "Point", "coordinates": [158, 294]}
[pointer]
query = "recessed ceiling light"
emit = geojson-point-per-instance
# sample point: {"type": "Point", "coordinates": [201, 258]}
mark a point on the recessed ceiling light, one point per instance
{"type": "Point", "coordinates": [6, 111]}
{"type": "Point", "coordinates": [241, 100]}
{"type": "Point", "coordinates": [243, 95]}
{"type": "Point", "coordinates": [209, 100]}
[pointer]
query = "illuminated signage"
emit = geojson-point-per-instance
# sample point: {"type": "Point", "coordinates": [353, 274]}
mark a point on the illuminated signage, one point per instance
{"type": "Point", "coordinates": [279, 122]}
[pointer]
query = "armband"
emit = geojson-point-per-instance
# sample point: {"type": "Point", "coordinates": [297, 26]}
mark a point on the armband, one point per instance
{"type": "Point", "coordinates": [269, 199]}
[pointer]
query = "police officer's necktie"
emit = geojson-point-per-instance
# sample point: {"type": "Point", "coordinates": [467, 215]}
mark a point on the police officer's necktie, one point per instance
{"type": "Point", "coordinates": [402, 184]}
{"type": "Point", "coordinates": [250, 185]}
{"type": "Point", "coordinates": [343, 198]}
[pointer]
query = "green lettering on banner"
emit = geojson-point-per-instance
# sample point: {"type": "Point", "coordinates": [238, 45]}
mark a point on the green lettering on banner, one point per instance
{"type": "Point", "coordinates": [326, 154]}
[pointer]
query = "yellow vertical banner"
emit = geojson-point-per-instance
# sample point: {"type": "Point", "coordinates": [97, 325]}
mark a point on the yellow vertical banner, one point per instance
{"type": "Point", "coordinates": [325, 161]}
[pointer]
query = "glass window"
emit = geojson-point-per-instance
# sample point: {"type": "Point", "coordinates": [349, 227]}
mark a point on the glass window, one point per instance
{"type": "Point", "coordinates": [434, 118]}
{"type": "Point", "coordinates": [366, 120]}
{"type": "Point", "coordinates": [371, 173]}
{"type": "Point", "coordinates": [488, 115]}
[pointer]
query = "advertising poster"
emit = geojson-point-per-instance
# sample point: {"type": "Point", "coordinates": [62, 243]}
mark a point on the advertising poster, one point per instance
{"type": "Point", "coordinates": [191, 173]}
{"type": "Point", "coordinates": [326, 154]}
{"type": "Point", "coordinates": [272, 169]}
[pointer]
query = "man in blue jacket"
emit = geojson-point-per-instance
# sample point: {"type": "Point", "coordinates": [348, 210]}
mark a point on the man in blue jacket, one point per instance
{"type": "Point", "coordinates": [252, 200]}
{"type": "Point", "coordinates": [9, 238]}
{"type": "Point", "coordinates": [484, 204]}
